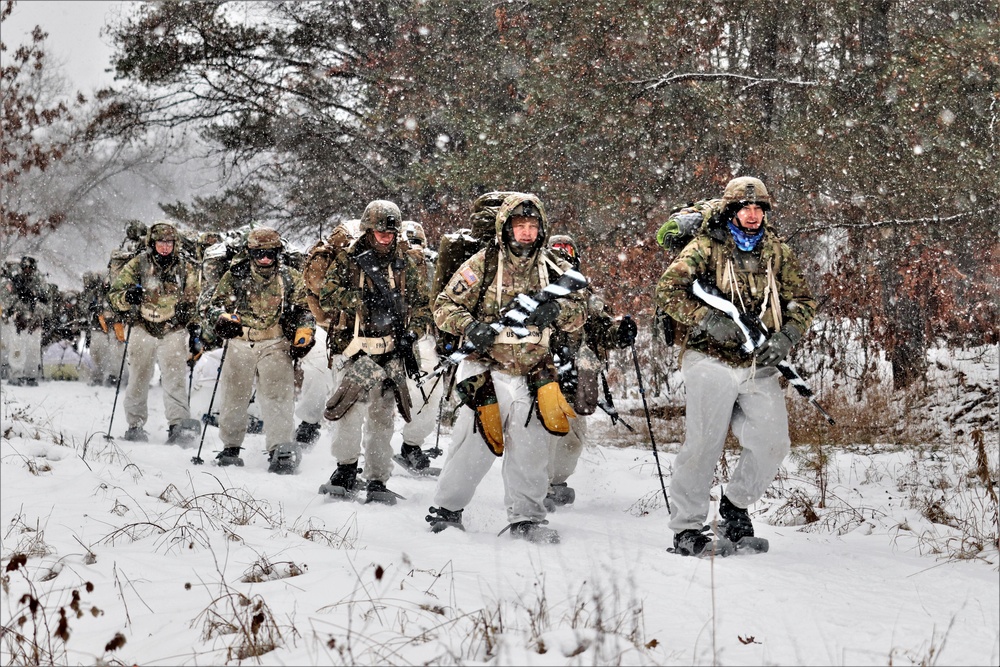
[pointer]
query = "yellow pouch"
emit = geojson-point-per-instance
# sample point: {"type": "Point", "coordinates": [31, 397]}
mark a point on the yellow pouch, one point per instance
{"type": "Point", "coordinates": [490, 427]}
{"type": "Point", "coordinates": [478, 393]}
{"type": "Point", "coordinates": [119, 332]}
{"type": "Point", "coordinates": [553, 409]}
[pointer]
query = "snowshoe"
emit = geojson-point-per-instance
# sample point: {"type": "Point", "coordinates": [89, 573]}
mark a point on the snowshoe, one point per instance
{"type": "Point", "coordinates": [559, 495]}
{"type": "Point", "coordinates": [415, 461]}
{"type": "Point", "coordinates": [307, 433]}
{"type": "Point", "coordinates": [254, 424]}
{"type": "Point", "coordinates": [736, 527]}
{"type": "Point", "coordinates": [433, 452]}
{"type": "Point", "coordinates": [701, 543]}
{"type": "Point", "coordinates": [378, 493]}
{"type": "Point", "coordinates": [532, 531]}
{"type": "Point", "coordinates": [184, 432]}
{"type": "Point", "coordinates": [285, 458]}
{"type": "Point", "coordinates": [344, 483]}
{"type": "Point", "coordinates": [230, 456]}
{"type": "Point", "coordinates": [440, 518]}
{"type": "Point", "coordinates": [136, 434]}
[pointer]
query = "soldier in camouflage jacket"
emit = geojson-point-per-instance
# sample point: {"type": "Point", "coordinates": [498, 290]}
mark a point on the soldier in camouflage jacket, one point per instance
{"type": "Point", "coordinates": [517, 262]}
{"type": "Point", "coordinates": [738, 253]}
{"type": "Point", "coordinates": [25, 308]}
{"type": "Point", "coordinates": [259, 307]}
{"type": "Point", "coordinates": [156, 291]}
{"type": "Point", "coordinates": [379, 317]}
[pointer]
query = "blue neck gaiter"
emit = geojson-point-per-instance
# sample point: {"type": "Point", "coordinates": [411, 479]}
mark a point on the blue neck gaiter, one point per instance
{"type": "Point", "coordinates": [744, 241]}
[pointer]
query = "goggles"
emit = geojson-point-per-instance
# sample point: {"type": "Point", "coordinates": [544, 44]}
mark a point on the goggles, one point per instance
{"type": "Point", "coordinates": [565, 248]}
{"type": "Point", "coordinates": [525, 210]}
{"type": "Point", "coordinates": [258, 254]}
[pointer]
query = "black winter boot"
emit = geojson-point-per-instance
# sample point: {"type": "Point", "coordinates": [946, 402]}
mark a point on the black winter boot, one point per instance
{"type": "Point", "coordinates": [344, 481]}
{"type": "Point", "coordinates": [307, 433]}
{"type": "Point", "coordinates": [378, 493]}
{"type": "Point", "coordinates": [414, 457]}
{"type": "Point", "coordinates": [735, 524]}
{"type": "Point", "coordinates": [440, 518]}
{"type": "Point", "coordinates": [230, 456]}
{"type": "Point", "coordinates": [692, 542]}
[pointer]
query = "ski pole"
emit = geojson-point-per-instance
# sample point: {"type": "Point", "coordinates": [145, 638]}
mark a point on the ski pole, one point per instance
{"type": "Point", "coordinates": [118, 386]}
{"type": "Point", "coordinates": [649, 425]}
{"type": "Point", "coordinates": [196, 459]}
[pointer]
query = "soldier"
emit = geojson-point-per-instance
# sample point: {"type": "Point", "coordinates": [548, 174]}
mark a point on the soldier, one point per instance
{"type": "Point", "coordinates": [508, 375]}
{"type": "Point", "coordinates": [424, 419]}
{"type": "Point", "coordinates": [156, 292]}
{"type": "Point", "coordinates": [26, 306]}
{"type": "Point", "coordinates": [383, 293]}
{"type": "Point", "coordinates": [739, 254]}
{"type": "Point", "coordinates": [105, 349]}
{"type": "Point", "coordinates": [11, 268]}
{"type": "Point", "coordinates": [580, 357]}
{"type": "Point", "coordinates": [259, 308]}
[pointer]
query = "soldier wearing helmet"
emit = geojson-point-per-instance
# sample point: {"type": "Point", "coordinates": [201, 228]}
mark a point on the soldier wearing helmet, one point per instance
{"type": "Point", "coordinates": [26, 307]}
{"type": "Point", "coordinates": [156, 293]}
{"type": "Point", "coordinates": [383, 293]}
{"type": "Point", "coordinates": [580, 356]}
{"type": "Point", "coordinates": [738, 254]}
{"type": "Point", "coordinates": [260, 309]}
{"type": "Point", "coordinates": [508, 374]}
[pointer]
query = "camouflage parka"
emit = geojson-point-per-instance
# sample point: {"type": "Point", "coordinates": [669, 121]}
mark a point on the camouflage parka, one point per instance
{"type": "Point", "coordinates": [742, 277]}
{"type": "Point", "coordinates": [262, 299]}
{"type": "Point", "coordinates": [344, 290]}
{"type": "Point", "coordinates": [465, 299]}
{"type": "Point", "coordinates": [170, 291]}
{"type": "Point", "coordinates": [25, 300]}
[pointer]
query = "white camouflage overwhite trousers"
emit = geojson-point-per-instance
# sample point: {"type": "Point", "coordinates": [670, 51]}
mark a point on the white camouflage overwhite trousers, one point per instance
{"type": "Point", "coordinates": [146, 351]}
{"type": "Point", "coordinates": [368, 427]}
{"type": "Point", "coordinates": [565, 450]}
{"type": "Point", "coordinates": [25, 353]}
{"type": "Point", "coordinates": [525, 458]}
{"type": "Point", "coordinates": [268, 360]}
{"type": "Point", "coordinates": [318, 381]}
{"type": "Point", "coordinates": [424, 415]}
{"type": "Point", "coordinates": [106, 351]}
{"type": "Point", "coordinates": [720, 397]}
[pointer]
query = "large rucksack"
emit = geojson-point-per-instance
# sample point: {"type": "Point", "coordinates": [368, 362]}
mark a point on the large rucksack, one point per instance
{"type": "Point", "coordinates": [317, 262]}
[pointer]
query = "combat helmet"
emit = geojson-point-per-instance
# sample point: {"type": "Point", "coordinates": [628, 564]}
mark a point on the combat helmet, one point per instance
{"type": "Point", "coordinates": [381, 216]}
{"type": "Point", "coordinates": [746, 190]}
{"type": "Point", "coordinates": [414, 234]}
{"type": "Point", "coordinates": [264, 243]}
{"type": "Point", "coordinates": [563, 245]}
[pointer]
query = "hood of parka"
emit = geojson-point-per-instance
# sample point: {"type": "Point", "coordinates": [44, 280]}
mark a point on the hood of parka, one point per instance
{"type": "Point", "coordinates": [510, 203]}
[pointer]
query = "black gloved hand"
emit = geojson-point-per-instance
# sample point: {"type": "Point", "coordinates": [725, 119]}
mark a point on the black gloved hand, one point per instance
{"type": "Point", "coordinates": [229, 326]}
{"type": "Point", "coordinates": [195, 345]}
{"type": "Point", "coordinates": [776, 348]}
{"type": "Point", "coordinates": [627, 331]}
{"type": "Point", "coordinates": [481, 335]}
{"type": "Point", "coordinates": [545, 314]}
{"type": "Point", "coordinates": [134, 294]}
{"type": "Point", "coordinates": [721, 328]}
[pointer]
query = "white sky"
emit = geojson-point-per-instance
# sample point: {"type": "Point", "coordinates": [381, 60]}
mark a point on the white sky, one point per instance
{"type": "Point", "coordinates": [75, 38]}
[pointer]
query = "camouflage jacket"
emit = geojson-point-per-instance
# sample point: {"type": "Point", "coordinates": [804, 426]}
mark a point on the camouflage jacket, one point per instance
{"type": "Point", "coordinates": [345, 290]}
{"type": "Point", "coordinates": [170, 292]}
{"type": "Point", "coordinates": [708, 258]}
{"type": "Point", "coordinates": [25, 301]}
{"type": "Point", "coordinates": [262, 301]}
{"type": "Point", "coordinates": [94, 303]}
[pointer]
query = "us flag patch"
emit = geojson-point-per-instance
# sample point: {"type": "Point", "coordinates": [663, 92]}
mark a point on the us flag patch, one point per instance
{"type": "Point", "coordinates": [469, 276]}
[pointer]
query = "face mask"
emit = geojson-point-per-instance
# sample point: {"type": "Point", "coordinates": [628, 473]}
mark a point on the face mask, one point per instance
{"type": "Point", "coordinates": [745, 241]}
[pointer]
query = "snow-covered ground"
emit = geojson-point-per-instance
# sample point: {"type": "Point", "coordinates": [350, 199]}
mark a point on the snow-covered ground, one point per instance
{"type": "Point", "coordinates": [195, 564]}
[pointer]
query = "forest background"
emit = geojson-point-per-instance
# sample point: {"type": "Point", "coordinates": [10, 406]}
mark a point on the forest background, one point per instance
{"type": "Point", "coordinates": [874, 123]}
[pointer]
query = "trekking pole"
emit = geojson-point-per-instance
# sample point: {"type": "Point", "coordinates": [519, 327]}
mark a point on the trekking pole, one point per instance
{"type": "Point", "coordinates": [649, 424]}
{"type": "Point", "coordinates": [445, 393]}
{"type": "Point", "coordinates": [196, 459]}
{"type": "Point", "coordinates": [118, 386]}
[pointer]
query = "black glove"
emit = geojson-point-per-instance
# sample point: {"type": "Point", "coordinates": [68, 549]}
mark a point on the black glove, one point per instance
{"type": "Point", "coordinates": [776, 348]}
{"type": "Point", "coordinates": [134, 294]}
{"type": "Point", "coordinates": [481, 335]}
{"type": "Point", "coordinates": [544, 315]}
{"type": "Point", "coordinates": [627, 331]}
{"type": "Point", "coordinates": [228, 326]}
{"type": "Point", "coordinates": [195, 346]}
{"type": "Point", "coordinates": [721, 328]}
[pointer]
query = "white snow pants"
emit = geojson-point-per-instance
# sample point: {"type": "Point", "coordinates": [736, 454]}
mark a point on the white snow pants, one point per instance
{"type": "Point", "coordinates": [368, 426]}
{"type": "Point", "coordinates": [268, 360]}
{"type": "Point", "coordinates": [719, 397]}
{"type": "Point", "coordinates": [145, 351]}
{"type": "Point", "coordinates": [525, 458]}
{"type": "Point", "coordinates": [423, 416]}
{"type": "Point", "coordinates": [318, 381]}
{"type": "Point", "coordinates": [25, 353]}
{"type": "Point", "coordinates": [106, 351]}
{"type": "Point", "coordinates": [565, 450]}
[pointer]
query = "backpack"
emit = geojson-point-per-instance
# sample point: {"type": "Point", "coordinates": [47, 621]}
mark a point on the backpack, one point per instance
{"type": "Point", "coordinates": [318, 260]}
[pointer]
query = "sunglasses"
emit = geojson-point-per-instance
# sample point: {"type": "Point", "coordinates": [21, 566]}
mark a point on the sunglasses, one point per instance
{"type": "Point", "coordinates": [566, 248]}
{"type": "Point", "coordinates": [262, 253]}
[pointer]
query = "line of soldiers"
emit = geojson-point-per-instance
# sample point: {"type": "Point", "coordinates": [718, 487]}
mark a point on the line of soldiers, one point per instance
{"type": "Point", "coordinates": [489, 326]}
